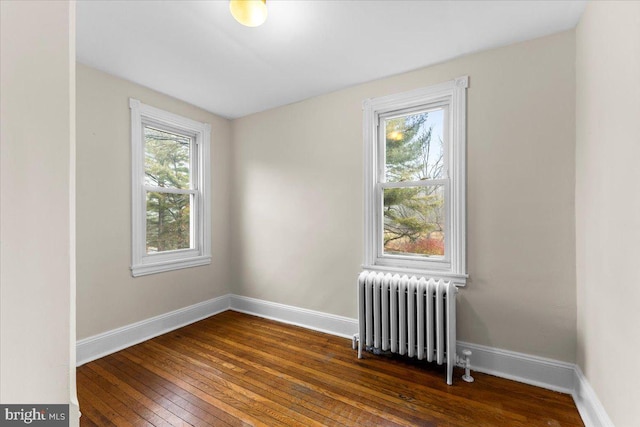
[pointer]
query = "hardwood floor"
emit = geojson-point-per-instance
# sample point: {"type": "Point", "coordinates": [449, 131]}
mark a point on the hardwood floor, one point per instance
{"type": "Point", "coordinates": [235, 369]}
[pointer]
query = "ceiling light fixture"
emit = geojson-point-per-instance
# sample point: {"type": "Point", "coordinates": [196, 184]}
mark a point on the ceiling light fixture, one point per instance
{"type": "Point", "coordinates": [251, 13]}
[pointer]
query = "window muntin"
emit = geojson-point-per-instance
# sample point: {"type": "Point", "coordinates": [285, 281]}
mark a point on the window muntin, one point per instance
{"type": "Point", "coordinates": [170, 196]}
{"type": "Point", "coordinates": [415, 182]}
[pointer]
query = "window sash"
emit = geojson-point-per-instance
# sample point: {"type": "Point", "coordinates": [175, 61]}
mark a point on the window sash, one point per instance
{"type": "Point", "coordinates": [194, 242]}
{"type": "Point", "coordinates": [193, 147]}
{"type": "Point", "coordinates": [413, 110]}
{"type": "Point", "coordinates": [380, 141]}
{"type": "Point", "coordinates": [433, 261]}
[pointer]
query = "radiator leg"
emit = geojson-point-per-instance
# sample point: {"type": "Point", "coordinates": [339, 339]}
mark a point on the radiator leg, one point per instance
{"type": "Point", "coordinates": [358, 341]}
{"type": "Point", "coordinates": [450, 374]}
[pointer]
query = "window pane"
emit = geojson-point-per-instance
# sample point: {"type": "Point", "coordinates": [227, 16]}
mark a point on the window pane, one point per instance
{"type": "Point", "coordinates": [166, 159]}
{"type": "Point", "coordinates": [414, 146]}
{"type": "Point", "coordinates": [168, 222]}
{"type": "Point", "coordinates": [414, 221]}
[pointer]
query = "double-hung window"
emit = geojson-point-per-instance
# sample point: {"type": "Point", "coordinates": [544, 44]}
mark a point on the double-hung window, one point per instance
{"type": "Point", "coordinates": [170, 191]}
{"type": "Point", "coordinates": [415, 182]}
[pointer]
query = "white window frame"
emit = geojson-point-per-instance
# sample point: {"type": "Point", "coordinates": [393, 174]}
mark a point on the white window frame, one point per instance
{"type": "Point", "coordinates": [450, 96]}
{"type": "Point", "coordinates": [143, 263]}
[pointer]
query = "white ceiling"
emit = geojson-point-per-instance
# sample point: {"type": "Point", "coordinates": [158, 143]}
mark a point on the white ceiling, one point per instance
{"type": "Point", "coordinates": [195, 51]}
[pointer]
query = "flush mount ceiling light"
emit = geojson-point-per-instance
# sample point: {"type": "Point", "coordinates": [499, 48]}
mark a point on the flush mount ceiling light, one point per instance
{"type": "Point", "coordinates": [251, 13]}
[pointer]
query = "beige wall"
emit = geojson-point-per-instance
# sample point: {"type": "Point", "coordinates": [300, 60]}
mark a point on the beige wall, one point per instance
{"type": "Point", "coordinates": [37, 360]}
{"type": "Point", "coordinates": [608, 204]}
{"type": "Point", "coordinates": [297, 197]}
{"type": "Point", "coordinates": [108, 296]}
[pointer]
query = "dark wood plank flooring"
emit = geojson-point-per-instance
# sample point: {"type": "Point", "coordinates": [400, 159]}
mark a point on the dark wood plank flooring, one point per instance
{"type": "Point", "coordinates": [235, 369]}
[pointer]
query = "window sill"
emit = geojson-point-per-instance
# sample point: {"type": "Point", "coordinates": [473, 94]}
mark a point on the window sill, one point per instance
{"type": "Point", "coordinates": [460, 280]}
{"type": "Point", "coordinates": [159, 267]}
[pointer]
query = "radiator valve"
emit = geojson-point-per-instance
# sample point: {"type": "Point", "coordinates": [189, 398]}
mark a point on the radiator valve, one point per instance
{"type": "Point", "coordinates": [466, 363]}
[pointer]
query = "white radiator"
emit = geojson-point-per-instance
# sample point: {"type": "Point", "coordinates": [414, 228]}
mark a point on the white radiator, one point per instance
{"type": "Point", "coordinates": [408, 316]}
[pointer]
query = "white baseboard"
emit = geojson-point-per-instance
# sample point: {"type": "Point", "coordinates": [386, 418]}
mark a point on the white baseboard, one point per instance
{"type": "Point", "coordinates": [538, 371]}
{"type": "Point", "coordinates": [525, 368]}
{"type": "Point", "coordinates": [316, 320]}
{"type": "Point", "coordinates": [591, 410]}
{"type": "Point", "coordinates": [100, 345]}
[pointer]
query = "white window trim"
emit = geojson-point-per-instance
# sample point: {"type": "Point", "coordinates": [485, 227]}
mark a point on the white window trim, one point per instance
{"type": "Point", "coordinates": [453, 266]}
{"type": "Point", "coordinates": [141, 262]}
